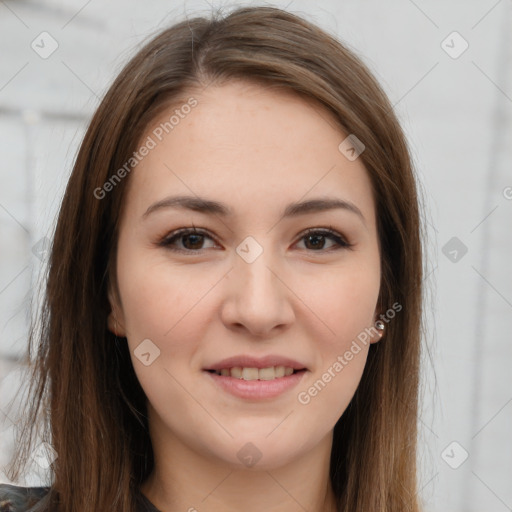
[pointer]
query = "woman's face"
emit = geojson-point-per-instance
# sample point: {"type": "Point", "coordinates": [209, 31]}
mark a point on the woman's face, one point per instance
{"type": "Point", "coordinates": [251, 283]}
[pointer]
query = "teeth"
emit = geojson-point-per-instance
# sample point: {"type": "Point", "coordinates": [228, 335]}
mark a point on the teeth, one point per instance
{"type": "Point", "coordinates": [266, 374]}
{"type": "Point", "coordinates": [273, 372]}
{"type": "Point", "coordinates": [281, 371]}
{"type": "Point", "coordinates": [236, 372]}
{"type": "Point", "coordinates": [250, 373]}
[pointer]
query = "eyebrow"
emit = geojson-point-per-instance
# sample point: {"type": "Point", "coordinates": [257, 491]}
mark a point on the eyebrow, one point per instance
{"type": "Point", "coordinates": [208, 206]}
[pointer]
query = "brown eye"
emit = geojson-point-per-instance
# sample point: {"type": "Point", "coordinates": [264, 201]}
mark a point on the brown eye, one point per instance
{"type": "Point", "coordinates": [315, 240]}
{"type": "Point", "coordinates": [191, 240]}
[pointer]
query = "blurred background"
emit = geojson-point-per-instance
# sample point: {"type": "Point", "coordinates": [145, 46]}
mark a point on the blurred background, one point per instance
{"type": "Point", "coordinates": [447, 68]}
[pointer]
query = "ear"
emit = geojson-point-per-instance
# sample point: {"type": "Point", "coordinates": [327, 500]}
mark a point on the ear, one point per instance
{"type": "Point", "coordinates": [115, 319]}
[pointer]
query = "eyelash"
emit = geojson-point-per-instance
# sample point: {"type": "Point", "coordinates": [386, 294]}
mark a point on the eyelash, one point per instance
{"type": "Point", "coordinates": [169, 239]}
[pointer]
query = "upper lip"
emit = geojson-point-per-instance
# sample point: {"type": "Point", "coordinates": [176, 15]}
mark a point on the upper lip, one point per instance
{"type": "Point", "coordinates": [247, 361]}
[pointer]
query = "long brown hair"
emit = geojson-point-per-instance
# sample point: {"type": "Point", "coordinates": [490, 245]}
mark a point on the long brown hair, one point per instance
{"type": "Point", "coordinates": [83, 381]}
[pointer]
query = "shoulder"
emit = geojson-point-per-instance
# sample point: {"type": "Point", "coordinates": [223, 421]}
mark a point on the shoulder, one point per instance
{"type": "Point", "coordinates": [19, 499]}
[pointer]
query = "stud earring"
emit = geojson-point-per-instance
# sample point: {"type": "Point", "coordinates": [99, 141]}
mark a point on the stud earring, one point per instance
{"type": "Point", "coordinates": [379, 324]}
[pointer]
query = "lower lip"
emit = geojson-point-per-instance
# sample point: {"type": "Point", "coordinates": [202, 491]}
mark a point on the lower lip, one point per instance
{"type": "Point", "coordinates": [257, 389]}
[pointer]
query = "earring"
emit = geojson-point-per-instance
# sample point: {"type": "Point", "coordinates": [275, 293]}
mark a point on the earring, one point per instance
{"type": "Point", "coordinates": [379, 324]}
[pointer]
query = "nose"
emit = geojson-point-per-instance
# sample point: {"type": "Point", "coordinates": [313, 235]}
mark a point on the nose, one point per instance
{"type": "Point", "coordinates": [257, 297]}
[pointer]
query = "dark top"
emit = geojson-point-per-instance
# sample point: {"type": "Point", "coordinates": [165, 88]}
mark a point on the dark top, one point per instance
{"type": "Point", "coordinates": [20, 499]}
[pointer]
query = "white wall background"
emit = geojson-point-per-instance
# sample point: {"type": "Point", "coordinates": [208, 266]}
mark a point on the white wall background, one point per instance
{"type": "Point", "coordinates": [457, 112]}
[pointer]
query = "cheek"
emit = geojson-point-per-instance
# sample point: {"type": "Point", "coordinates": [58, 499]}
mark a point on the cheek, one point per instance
{"type": "Point", "coordinates": [165, 304]}
{"type": "Point", "coordinates": [158, 305]}
{"type": "Point", "coordinates": [156, 296]}
{"type": "Point", "coordinates": [342, 299]}
{"type": "Point", "coordinates": [344, 303]}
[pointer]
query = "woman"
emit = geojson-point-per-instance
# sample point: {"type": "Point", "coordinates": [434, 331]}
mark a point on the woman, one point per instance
{"type": "Point", "coordinates": [233, 307]}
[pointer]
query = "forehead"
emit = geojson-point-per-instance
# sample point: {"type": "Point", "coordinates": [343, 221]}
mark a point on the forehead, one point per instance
{"type": "Point", "coordinates": [248, 146]}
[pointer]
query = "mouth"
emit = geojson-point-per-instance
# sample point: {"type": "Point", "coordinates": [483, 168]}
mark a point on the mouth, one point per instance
{"type": "Point", "coordinates": [255, 384]}
{"type": "Point", "coordinates": [253, 378]}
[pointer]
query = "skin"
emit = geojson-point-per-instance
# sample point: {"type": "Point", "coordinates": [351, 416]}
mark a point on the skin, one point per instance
{"type": "Point", "coordinates": [255, 150]}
